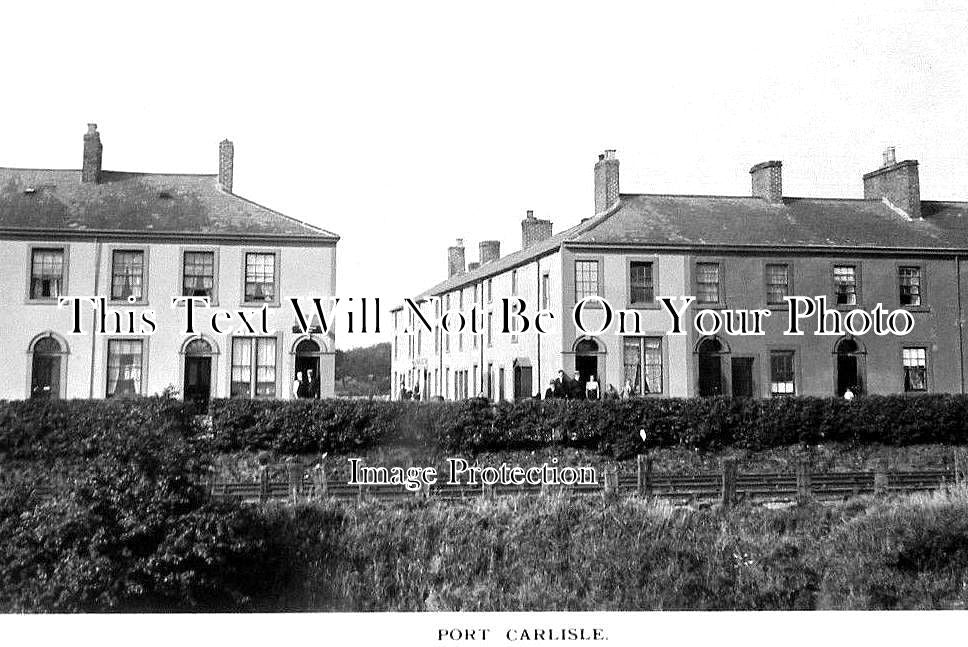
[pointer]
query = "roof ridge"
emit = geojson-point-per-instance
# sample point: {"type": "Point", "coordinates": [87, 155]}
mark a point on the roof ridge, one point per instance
{"type": "Point", "coordinates": [77, 170]}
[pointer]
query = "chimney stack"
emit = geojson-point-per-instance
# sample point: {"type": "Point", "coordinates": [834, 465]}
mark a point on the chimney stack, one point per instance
{"type": "Point", "coordinates": [490, 251]}
{"type": "Point", "coordinates": [534, 231]}
{"type": "Point", "coordinates": [768, 181]}
{"type": "Point", "coordinates": [226, 159]}
{"type": "Point", "coordinates": [896, 182]}
{"type": "Point", "coordinates": [455, 258]}
{"type": "Point", "coordinates": [606, 181]}
{"type": "Point", "coordinates": [91, 167]}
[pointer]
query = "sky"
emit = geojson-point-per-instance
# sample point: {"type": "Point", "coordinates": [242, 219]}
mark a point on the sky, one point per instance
{"type": "Point", "coordinates": [403, 126]}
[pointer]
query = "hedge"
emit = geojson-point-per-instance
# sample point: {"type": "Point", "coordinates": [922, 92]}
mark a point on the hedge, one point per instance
{"type": "Point", "coordinates": [31, 430]}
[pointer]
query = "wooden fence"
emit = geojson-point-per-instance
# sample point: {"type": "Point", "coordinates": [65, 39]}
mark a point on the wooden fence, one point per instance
{"type": "Point", "coordinates": [727, 486]}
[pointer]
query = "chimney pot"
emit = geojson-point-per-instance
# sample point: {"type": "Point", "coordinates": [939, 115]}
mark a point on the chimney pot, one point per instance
{"type": "Point", "coordinates": [226, 164]}
{"type": "Point", "coordinates": [91, 164]}
{"type": "Point", "coordinates": [889, 156]}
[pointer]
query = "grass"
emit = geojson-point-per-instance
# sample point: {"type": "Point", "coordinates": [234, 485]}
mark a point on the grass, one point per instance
{"type": "Point", "coordinates": [556, 553]}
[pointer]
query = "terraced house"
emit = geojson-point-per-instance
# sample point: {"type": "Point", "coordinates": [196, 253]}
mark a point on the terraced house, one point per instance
{"type": "Point", "coordinates": [140, 239]}
{"type": "Point", "coordinates": [730, 252]}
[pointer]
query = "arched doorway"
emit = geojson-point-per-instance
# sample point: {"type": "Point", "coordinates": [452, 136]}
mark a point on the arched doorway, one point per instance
{"type": "Point", "coordinates": [47, 365]}
{"type": "Point", "coordinates": [522, 379]}
{"type": "Point", "coordinates": [306, 365]}
{"type": "Point", "coordinates": [589, 360]}
{"type": "Point", "coordinates": [710, 351]}
{"type": "Point", "coordinates": [849, 364]}
{"type": "Point", "coordinates": [197, 381]}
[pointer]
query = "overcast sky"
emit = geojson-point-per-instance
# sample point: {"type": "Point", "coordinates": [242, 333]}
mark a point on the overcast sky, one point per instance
{"type": "Point", "coordinates": [402, 126]}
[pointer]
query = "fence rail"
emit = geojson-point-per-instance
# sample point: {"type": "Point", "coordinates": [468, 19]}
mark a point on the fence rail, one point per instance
{"type": "Point", "coordinates": [727, 486]}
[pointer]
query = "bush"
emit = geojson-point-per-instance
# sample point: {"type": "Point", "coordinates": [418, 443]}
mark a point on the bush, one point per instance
{"type": "Point", "coordinates": [611, 427]}
{"type": "Point", "coordinates": [131, 530]}
{"type": "Point", "coordinates": [58, 429]}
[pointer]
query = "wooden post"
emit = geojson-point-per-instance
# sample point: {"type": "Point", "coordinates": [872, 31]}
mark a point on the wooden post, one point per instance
{"type": "Point", "coordinates": [294, 479]}
{"type": "Point", "coordinates": [611, 480]}
{"type": "Point", "coordinates": [961, 468]}
{"type": "Point", "coordinates": [644, 465]}
{"type": "Point", "coordinates": [881, 477]}
{"type": "Point", "coordinates": [320, 484]}
{"type": "Point", "coordinates": [729, 481]}
{"type": "Point", "coordinates": [804, 480]}
{"type": "Point", "coordinates": [264, 484]}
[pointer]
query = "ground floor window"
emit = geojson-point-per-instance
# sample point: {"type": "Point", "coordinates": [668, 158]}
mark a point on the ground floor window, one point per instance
{"type": "Point", "coordinates": [643, 364]}
{"type": "Point", "coordinates": [253, 367]}
{"type": "Point", "coordinates": [125, 366]}
{"type": "Point", "coordinates": [915, 362]}
{"type": "Point", "coordinates": [781, 373]}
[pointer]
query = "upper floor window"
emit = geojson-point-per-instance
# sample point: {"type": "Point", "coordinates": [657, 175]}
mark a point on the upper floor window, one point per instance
{"type": "Point", "coordinates": [125, 366]}
{"type": "Point", "coordinates": [781, 373]}
{"type": "Point", "coordinates": [707, 283]}
{"type": "Point", "coordinates": [777, 283]}
{"type": "Point", "coordinates": [128, 275]}
{"type": "Point", "coordinates": [586, 279]}
{"type": "Point", "coordinates": [198, 274]}
{"type": "Point", "coordinates": [260, 277]}
{"type": "Point", "coordinates": [909, 285]}
{"type": "Point", "coordinates": [845, 285]}
{"type": "Point", "coordinates": [915, 362]}
{"type": "Point", "coordinates": [641, 288]}
{"type": "Point", "coordinates": [46, 273]}
{"type": "Point", "coordinates": [490, 291]}
{"type": "Point", "coordinates": [545, 288]}
{"type": "Point", "coordinates": [514, 282]}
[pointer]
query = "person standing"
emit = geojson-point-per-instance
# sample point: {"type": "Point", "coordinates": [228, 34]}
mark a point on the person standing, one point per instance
{"type": "Point", "coordinates": [591, 388]}
{"type": "Point", "coordinates": [313, 381]}
{"type": "Point", "coordinates": [302, 385]}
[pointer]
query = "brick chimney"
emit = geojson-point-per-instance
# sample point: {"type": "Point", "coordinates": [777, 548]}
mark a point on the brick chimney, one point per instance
{"type": "Point", "coordinates": [490, 251]}
{"type": "Point", "coordinates": [226, 158]}
{"type": "Point", "coordinates": [533, 230]}
{"type": "Point", "coordinates": [768, 181]}
{"type": "Point", "coordinates": [606, 181]}
{"type": "Point", "coordinates": [455, 258]}
{"type": "Point", "coordinates": [91, 167]}
{"type": "Point", "coordinates": [897, 182]}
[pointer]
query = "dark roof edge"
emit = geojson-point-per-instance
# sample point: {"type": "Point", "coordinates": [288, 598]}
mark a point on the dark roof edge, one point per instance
{"type": "Point", "coordinates": [128, 234]}
{"type": "Point", "coordinates": [325, 232]}
{"type": "Point", "coordinates": [831, 249]}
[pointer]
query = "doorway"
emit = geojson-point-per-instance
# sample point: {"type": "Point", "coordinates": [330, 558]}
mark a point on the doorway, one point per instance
{"type": "Point", "coordinates": [586, 361]}
{"type": "Point", "coordinates": [45, 370]}
{"type": "Point", "coordinates": [742, 377]}
{"type": "Point", "coordinates": [307, 359]}
{"type": "Point", "coordinates": [848, 367]}
{"type": "Point", "coordinates": [710, 368]}
{"type": "Point", "coordinates": [522, 380]}
{"type": "Point", "coordinates": [197, 386]}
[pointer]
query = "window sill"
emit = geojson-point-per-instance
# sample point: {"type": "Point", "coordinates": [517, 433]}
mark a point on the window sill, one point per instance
{"type": "Point", "coordinates": [919, 309]}
{"type": "Point", "coordinates": [259, 304]}
{"type": "Point", "coordinates": [42, 302]}
{"type": "Point", "coordinates": [643, 306]}
{"type": "Point", "coordinates": [125, 302]}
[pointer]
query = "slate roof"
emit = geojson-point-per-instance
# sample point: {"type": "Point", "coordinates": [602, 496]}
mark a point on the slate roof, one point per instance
{"type": "Point", "coordinates": [46, 200]}
{"type": "Point", "coordinates": [697, 221]}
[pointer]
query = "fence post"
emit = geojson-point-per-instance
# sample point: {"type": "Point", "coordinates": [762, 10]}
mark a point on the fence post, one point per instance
{"type": "Point", "coordinates": [961, 468]}
{"type": "Point", "coordinates": [804, 480]}
{"type": "Point", "coordinates": [294, 478]}
{"type": "Point", "coordinates": [644, 465]}
{"type": "Point", "coordinates": [729, 481]}
{"type": "Point", "coordinates": [881, 477]}
{"type": "Point", "coordinates": [320, 486]}
{"type": "Point", "coordinates": [611, 480]}
{"type": "Point", "coordinates": [264, 484]}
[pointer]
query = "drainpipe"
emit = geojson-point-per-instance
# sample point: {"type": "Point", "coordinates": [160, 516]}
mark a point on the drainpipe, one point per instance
{"type": "Point", "coordinates": [537, 335]}
{"type": "Point", "coordinates": [97, 283]}
{"type": "Point", "coordinates": [961, 325]}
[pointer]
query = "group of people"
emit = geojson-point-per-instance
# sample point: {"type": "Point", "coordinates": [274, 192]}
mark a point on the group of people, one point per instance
{"type": "Point", "coordinates": [571, 388]}
{"type": "Point", "coordinates": [306, 384]}
{"type": "Point", "coordinates": [407, 394]}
